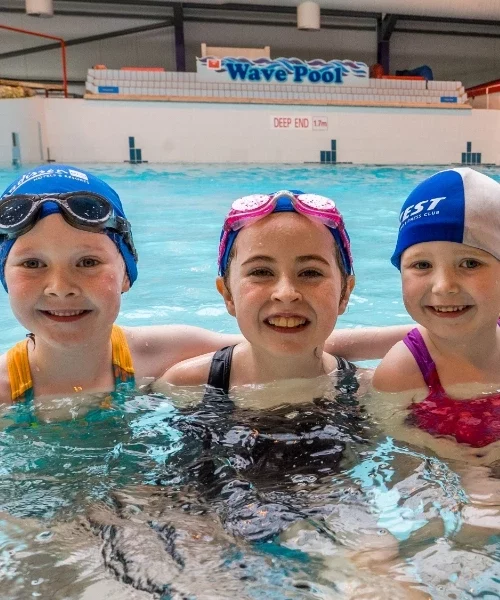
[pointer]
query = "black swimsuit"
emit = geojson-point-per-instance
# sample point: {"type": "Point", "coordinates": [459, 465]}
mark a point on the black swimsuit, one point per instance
{"type": "Point", "coordinates": [251, 460]}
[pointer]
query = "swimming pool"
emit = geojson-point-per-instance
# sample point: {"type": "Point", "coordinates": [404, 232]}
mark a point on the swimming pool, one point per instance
{"type": "Point", "coordinates": [51, 474]}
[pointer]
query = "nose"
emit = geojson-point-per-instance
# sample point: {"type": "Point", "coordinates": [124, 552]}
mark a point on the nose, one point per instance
{"type": "Point", "coordinates": [61, 284]}
{"type": "Point", "coordinates": [445, 281]}
{"type": "Point", "coordinates": [286, 291]}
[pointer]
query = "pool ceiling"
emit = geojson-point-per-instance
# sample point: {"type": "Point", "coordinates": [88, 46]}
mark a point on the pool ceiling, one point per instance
{"type": "Point", "coordinates": [440, 10]}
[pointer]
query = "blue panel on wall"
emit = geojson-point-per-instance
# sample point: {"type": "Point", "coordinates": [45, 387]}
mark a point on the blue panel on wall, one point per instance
{"type": "Point", "coordinates": [464, 158]}
{"type": "Point", "coordinates": [138, 155]}
{"type": "Point", "coordinates": [131, 142]}
{"type": "Point", "coordinates": [16, 150]}
{"type": "Point", "coordinates": [469, 146]}
{"type": "Point", "coordinates": [322, 156]}
{"type": "Point", "coordinates": [478, 155]}
{"type": "Point", "coordinates": [452, 99]}
{"type": "Point", "coordinates": [108, 89]}
{"type": "Point", "coordinates": [334, 145]}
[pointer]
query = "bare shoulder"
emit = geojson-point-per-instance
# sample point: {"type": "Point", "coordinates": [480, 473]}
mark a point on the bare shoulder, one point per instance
{"type": "Point", "coordinates": [5, 392]}
{"type": "Point", "coordinates": [398, 371]}
{"type": "Point", "coordinates": [191, 372]}
{"type": "Point", "coordinates": [156, 348]}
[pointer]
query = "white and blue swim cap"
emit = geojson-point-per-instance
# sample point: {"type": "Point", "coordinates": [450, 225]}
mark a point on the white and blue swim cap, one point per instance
{"type": "Point", "coordinates": [457, 205]}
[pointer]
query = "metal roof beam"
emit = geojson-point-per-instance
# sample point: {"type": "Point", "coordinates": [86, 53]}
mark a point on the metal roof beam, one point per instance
{"type": "Point", "coordinates": [81, 13]}
{"type": "Point", "coordinates": [476, 34]}
{"type": "Point", "coordinates": [88, 39]}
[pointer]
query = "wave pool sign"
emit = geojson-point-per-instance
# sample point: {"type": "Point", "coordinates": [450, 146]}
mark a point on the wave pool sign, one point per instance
{"type": "Point", "coordinates": [282, 70]}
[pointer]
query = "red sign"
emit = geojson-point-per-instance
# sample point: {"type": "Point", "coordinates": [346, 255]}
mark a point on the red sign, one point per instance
{"type": "Point", "coordinates": [213, 63]}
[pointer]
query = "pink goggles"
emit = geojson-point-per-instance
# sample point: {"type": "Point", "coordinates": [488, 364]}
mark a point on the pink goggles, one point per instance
{"type": "Point", "coordinates": [249, 209]}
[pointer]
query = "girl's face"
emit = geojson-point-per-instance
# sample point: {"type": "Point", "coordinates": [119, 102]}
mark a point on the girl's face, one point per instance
{"type": "Point", "coordinates": [64, 283]}
{"type": "Point", "coordinates": [285, 284]}
{"type": "Point", "coordinates": [451, 289]}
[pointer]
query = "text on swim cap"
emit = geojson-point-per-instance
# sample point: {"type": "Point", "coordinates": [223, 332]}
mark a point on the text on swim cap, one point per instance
{"type": "Point", "coordinates": [415, 209]}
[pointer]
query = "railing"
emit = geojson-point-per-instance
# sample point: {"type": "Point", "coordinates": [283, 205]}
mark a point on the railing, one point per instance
{"type": "Point", "coordinates": [484, 89]}
{"type": "Point", "coordinates": [49, 37]}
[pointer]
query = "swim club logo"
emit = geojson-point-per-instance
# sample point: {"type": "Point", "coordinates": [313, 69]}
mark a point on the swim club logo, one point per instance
{"type": "Point", "coordinates": [424, 208]}
{"type": "Point", "coordinates": [48, 172]}
{"type": "Point", "coordinates": [282, 70]}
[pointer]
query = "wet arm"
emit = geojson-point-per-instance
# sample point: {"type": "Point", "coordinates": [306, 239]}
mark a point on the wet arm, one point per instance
{"type": "Point", "coordinates": [365, 343]}
{"type": "Point", "coordinates": [5, 392]}
{"type": "Point", "coordinates": [157, 348]}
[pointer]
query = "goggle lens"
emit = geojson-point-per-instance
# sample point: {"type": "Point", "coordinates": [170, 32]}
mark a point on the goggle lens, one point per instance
{"type": "Point", "coordinates": [15, 211]}
{"type": "Point", "coordinates": [318, 202]}
{"type": "Point", "coordinates": [89, 209]}
{"type": "Point", "coordinates": [248, 203]}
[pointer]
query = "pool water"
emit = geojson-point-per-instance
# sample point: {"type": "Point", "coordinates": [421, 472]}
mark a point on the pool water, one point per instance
{"type": "Point", "coordinates": [85, 508]}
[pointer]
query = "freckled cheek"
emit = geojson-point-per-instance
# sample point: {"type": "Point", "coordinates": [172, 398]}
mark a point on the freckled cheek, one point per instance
{"type": "Point", "coordinates": [108, 286]}
{"type": "Point", "coordinates": [246, 292]}
{"type": "Point", "coordinates": [22, 290]}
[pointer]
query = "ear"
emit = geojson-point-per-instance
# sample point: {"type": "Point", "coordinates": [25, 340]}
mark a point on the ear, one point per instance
{"type": "Point", "coordinates": [125, 283]}
{"type": "Point", "coordinates": [226, 294]}
{"type": "Point", "coordinates": [348, 289]}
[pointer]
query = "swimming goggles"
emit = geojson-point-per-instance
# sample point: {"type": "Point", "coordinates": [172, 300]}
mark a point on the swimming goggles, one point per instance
{"type": "Point", "coordinates": [84, 210]}
{"type": "Point", "coordinates": [249, 209]}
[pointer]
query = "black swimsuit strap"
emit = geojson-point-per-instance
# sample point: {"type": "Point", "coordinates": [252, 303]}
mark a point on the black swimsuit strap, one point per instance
{"type": "Point", "coordinates": [220, 369]}
{"type": "Point", "coordinates": [343, 364]}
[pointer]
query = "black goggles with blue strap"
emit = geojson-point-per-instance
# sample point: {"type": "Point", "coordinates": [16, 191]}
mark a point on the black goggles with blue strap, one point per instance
{"type": "Point", "coordinates": [84, 210]}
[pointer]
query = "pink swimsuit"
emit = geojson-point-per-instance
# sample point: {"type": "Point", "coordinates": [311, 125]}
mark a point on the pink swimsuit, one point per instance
{"type": "Point", "coordinates": [475, 422]}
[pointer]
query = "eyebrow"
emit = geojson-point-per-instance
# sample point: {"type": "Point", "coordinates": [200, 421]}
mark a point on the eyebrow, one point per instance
{"type": "Point", "coordinates": [83, 248]}
{"type": "Point", "coordinates": [300, 259]}
{"type": "Point", "coordinates": [311, 257]}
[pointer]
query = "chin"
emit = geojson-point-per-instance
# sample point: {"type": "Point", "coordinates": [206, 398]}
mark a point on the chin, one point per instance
{"type": "Point", "coordinates": [294, 350]}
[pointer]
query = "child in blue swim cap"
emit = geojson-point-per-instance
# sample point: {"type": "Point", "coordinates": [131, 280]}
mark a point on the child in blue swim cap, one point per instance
{"type": "Point", "coordinates": [66, 256]}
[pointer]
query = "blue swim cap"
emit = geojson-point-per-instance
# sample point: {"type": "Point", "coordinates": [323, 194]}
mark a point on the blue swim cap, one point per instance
{"type": "Point", "coordinates": [57, 179]}
{"type": "Point", "coordinates": [457, 205]}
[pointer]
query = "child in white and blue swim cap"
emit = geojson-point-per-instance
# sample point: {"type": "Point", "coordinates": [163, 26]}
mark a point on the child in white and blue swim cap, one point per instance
{"type": "Point", "coordinates": [448, 252]}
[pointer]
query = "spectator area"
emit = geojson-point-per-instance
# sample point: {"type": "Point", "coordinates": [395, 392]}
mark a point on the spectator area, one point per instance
{"type": "Point", "coordinates": [109, 84]}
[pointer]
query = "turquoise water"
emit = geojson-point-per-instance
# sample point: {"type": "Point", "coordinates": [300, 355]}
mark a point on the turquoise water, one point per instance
{"type": "Point", "coordinates": [54, 472]}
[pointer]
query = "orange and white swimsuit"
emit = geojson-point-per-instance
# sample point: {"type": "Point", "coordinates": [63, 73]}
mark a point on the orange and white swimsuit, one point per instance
{"type": "Point", "coordinates": [21, 382]}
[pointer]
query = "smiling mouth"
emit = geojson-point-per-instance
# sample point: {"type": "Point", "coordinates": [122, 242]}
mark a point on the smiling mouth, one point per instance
{"type": "Point", "coordinates": [65, 315]}
{"type": "Point", "coordinates": [450, 311]}
{"type": "Point", "coordinates": [287, 323]}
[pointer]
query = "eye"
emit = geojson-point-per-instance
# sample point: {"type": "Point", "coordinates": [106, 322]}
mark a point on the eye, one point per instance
{"type": "Point", "coordinates": [311, 273]}
{"type": "Point", "coordinates": [32, 263]}
{"type": "Point", "coordinates": [261, 272]}
{"type": "Point", "coordinates": [421, 265]}
{"type": "Point", "coordinates": [470, 263]}
{"type": "Point", "coordinates": [88, 262]}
